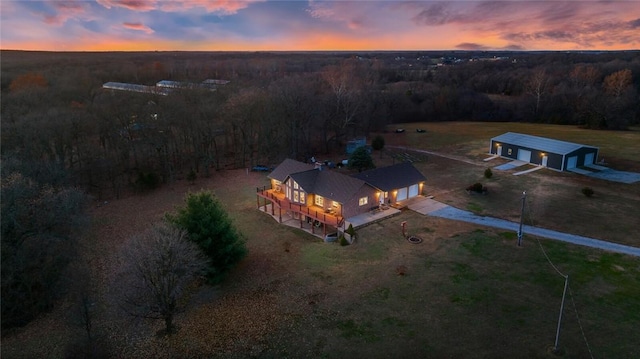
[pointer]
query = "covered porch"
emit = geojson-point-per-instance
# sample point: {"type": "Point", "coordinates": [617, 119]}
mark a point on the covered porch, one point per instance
{"type": "Point", "coordinates": [314, 219]}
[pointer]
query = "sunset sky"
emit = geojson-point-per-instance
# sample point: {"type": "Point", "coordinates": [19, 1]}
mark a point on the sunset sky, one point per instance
{"type": "Point", "coordinates": [223, 25]}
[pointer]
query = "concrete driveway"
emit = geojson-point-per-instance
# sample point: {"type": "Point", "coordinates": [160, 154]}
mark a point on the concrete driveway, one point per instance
{"type": "Point", "coordinates": [616, 176]}
{"type": "Point", "coordinates": [434, 208]}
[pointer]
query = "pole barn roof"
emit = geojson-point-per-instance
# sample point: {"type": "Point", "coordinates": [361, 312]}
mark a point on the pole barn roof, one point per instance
{"type": "Point", "coordinates": [539, 143]}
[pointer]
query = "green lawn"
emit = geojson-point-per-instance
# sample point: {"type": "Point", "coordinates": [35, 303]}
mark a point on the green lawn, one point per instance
{"type": "Point", "coordinates": [474, 294]}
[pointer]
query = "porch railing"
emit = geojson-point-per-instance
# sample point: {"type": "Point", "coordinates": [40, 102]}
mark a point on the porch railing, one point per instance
{"type": "Point", "coordinates": [318, 215]}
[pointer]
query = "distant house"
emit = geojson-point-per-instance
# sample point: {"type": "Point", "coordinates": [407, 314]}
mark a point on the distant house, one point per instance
{"type": "Point", "coordinates": [122, 86]}
{"type": "Point", "coordinates": [185, 85]}
{"type": "Point", "coordinates": [328, 197]}
{"type": "Point", "coordinates": [555, 154]}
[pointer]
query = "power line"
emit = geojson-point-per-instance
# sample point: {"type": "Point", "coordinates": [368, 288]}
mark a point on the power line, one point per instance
{"type": "Point", "coordinates": [580, 323]}
{"type": "Point", "coordinates": [566, 285]}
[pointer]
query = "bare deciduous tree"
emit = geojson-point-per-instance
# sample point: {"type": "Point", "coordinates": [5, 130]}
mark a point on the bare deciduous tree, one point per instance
{"type": "Point", "coordinates": [537, 87]}
{"type": "Point", "coordinates": [157, 269]}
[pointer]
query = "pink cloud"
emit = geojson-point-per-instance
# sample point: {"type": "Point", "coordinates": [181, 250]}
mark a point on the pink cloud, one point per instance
{"type": "Point", "coordinates": [65, 10]}
{"type": "Point", "coordinates": [138, 27]}
{"type": "Point", "coordinates": [226, 7]}
{"type": "Point", "coordinates": [135, 5]}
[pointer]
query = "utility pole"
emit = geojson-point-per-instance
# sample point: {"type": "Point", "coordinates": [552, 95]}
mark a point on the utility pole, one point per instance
{"type": "Point", "coordinates": [564, 293]}
{"type": "Point", "coordinates": [524, 197]}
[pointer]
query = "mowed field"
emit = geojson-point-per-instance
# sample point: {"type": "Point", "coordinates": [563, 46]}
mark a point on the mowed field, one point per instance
{"type": "Point", "coordinates": [465, 292]}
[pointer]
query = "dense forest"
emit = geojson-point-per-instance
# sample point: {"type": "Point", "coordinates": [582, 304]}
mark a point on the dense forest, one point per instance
{"type": "Point", "coordinates": [55, 113]}
{"type": "Point", "coordinates": [64, 137]}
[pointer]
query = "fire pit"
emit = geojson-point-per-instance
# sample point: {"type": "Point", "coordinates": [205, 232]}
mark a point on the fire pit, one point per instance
{"type": "Point", "coordinates": [414, 239]}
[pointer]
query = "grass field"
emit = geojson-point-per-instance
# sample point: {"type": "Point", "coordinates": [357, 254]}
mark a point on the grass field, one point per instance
{"type": "Point", "coordinates": [464, 292]}
{"type": "Point", "coordinates": [471, 139]}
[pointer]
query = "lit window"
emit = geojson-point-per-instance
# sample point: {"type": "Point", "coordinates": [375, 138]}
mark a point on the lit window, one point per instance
{"type": "Point", "coordinates": [302, 196]}
{"type": "Point", "coordinates": [319, 201]}
{"type": "Point", "coordinates": [509, 151]}
{"type": "Point", "coordinates": [296, 195]}
{"type": "Point", "coordinates": [363, 201]}
{"type": "Point", "coordinates": [336, 204]}
{"type": "Point", "coordinates": [295, 185]}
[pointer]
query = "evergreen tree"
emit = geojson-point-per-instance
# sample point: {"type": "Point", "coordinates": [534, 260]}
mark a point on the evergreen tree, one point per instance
{"type": "Point", "coordinates": [361, 159]}
{"type": "Point", "coordinates": [209, 226]}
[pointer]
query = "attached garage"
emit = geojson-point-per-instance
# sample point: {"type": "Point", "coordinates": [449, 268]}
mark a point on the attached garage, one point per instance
{"type": "Point", "coordinates": [402, 194]}
{"type": "Point", "coordinates": [554, 154]}
{"type": "Point", "coordinates": [414, 190]}
{"type": "Point", "coordinates": [401, 181]}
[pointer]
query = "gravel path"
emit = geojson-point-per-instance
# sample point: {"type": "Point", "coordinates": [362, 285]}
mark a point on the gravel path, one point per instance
{"type": "Point", "coordinates": [451, 157]}
{"type": "Point", "coordinates": [465, 216]}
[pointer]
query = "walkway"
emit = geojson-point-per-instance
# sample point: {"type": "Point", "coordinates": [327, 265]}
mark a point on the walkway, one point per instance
{"type": "Point", "coordinates": [442, 210]}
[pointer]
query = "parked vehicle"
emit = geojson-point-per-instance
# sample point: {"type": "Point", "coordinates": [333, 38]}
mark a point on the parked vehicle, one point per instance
{"type": "Point", "coordinates": [331, 237]}
{"type": "Point", "coordinates": [261, 168]}
{"type": "Point", "coordinates": [399, 130]}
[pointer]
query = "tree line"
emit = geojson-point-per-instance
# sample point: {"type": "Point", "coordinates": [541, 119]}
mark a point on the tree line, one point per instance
{"type": "Point", "coordinates": [279, 105]}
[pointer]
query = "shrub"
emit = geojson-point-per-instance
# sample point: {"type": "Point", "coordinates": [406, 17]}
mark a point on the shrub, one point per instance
{"type": "Point", "coordinates": [477, 187]}
{"type": "Point", "coordinates": [488, 173]}
{"type": "Point", "coordinates": [343, 241]}
{"type": "Point", "coordinates": [588, 191]}
{"type": "Point", "coordinates": [350, 230]}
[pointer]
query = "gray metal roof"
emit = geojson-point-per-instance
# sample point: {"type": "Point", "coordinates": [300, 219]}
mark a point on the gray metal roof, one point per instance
{"type": "Point", "coordinates": [392, 177]}
{"type": "Point", "coordinates": [539, 143]}
{"type": "Point", "coordinates": [329, 184]}
{"type": "Point", "coordinates": [184, 85]}
{"type": "Point", "coordinates": [288, 167]}
{"type": "Point", "coordinates": [122, 86]}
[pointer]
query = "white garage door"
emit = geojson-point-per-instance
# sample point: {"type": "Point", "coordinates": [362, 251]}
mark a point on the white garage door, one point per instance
{"type": "Point", "coordinates": [413, 190]}
{"type": "Point", "coordinates": [572, 162]}
{"type": "Point", "coordinates": [524, 155]}
{"type": "Point", "coordinates": [588, 159]}
{"type": "Point", "coordinates": [402, 194]}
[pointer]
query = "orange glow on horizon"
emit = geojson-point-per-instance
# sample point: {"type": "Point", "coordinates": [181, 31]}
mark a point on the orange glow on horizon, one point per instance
{"type": "Point", "coordinates": [298, 42]}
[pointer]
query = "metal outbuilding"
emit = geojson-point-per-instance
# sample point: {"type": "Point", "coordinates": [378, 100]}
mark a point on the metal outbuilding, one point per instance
{"type": "Point", "coordinates": [554, 154]}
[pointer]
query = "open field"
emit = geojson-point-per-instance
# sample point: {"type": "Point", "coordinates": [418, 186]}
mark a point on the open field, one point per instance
{"type": "Point", "coordinates": [465, 292]}
{"type": "Point", "coordinates": [554, 199]}
{"type": "Point", "coordinates": [471, 139]}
